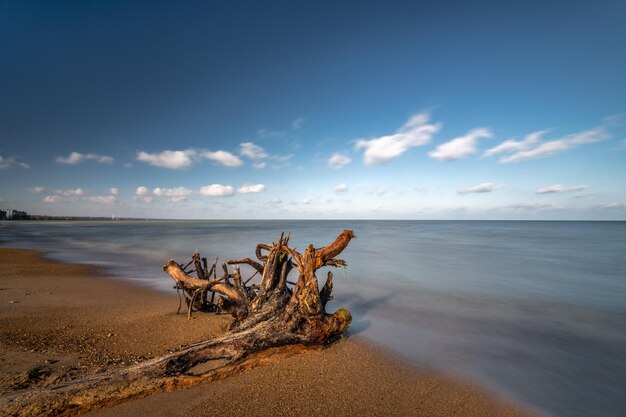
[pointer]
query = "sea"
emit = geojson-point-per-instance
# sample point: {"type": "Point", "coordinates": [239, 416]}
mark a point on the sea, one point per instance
{"type": "Point", "coordinates": [532, 310]}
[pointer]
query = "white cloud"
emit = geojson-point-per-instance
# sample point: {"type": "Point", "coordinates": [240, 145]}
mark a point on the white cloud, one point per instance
{"type": "Point", "coordinates": [176, 194]}
{"type": "Point", "coordinates": [341, 188]}
{"type": "Point", "coordinates": [307, 201]}
{"type": "Point", "coordinates": [69, 194]}
{"type": "Point", "coordinates": [142, 191]}
{"type": "Point", "coordinates": [217, 190]}
{"type": "Point", "coordinates": [460, 147]}
{"type": "Point", "coordinates": [253, 188]}
{"type": "Point", "coordinates": [102, 199]}
{"type": "Point", "coordinates": [415, 132]}
{"type": "Point", "coordinates": [485, 187]}
{"type": "Point", "coordinates": [532, 148]}
{"type": "Point", "coordinates": [511, 145]}
{"type": "Point", "coordinates": [270, 134]}
{"type": "Point", "coordinates": [145, 199]}
{"type": "Point", "coordinates": [256, 153]}
{"type": "Point", "coordinates": [114, 191]}
{"type": "Point", "coordinates": [71, 191]}
{"type": "Point", "coordinates": [172, 192]}
{"type": "Point", "coordinates": [169, 159]}
{"type": "Point", "coordinates": [614, 120]}
{"type": "Point", "coordinates": [77, 157]}
{"type": "Point", "coordinates": [282, 158]}
{"type": "Point", "coordinates": [224, 158]}
{"type": "Point", "coordinates": [558, 188]}
{"type": "Point", "coordinates": [252, 151]}
{"type": "Point", "coordinates": [186, 158]}
{"type": "Point", "coordinates": [51, 199]}
{"type": "Point", "coordinates": [297, 123]}
{"type": "Point", "coordinates": [35, 190]}
{"type": "Point", "coordinates": [526, 206]}
{"type": "Point", "coordinates": [613, 205]}
{"type": "Point", "coordinates": [338, 160]}
{"type": "Point", "coordinates": [10, 162]}
{"type": "Point", "coordinates": [377, 191]}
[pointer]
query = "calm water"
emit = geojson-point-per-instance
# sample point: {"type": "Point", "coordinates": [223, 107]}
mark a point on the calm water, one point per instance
{"type": "Point", "coordinates": [533, 310]}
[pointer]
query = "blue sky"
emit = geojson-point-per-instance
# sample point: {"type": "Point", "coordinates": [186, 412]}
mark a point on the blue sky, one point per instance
{"type": "Point", "coordinates": [392, 110]}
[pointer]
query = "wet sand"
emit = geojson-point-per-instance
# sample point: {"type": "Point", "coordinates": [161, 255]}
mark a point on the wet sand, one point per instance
{"type": "Point", "coordinates": [67, 320]}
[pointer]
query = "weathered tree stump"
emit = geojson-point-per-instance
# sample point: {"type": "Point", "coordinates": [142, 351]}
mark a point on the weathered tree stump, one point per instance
{"type": "Point", "coordinates": [271, 320]}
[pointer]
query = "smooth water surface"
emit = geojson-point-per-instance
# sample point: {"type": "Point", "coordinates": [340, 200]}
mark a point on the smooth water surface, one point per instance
{"type": "Point", "coordinates": [533, 310]}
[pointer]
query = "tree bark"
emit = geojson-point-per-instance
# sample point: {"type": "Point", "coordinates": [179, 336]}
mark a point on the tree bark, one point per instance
{"type": "Point", "coordinates": [271, 321]}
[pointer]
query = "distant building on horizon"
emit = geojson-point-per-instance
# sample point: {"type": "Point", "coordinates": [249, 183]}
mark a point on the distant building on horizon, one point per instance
{"type": "Point", "coordinates": [11, 214]}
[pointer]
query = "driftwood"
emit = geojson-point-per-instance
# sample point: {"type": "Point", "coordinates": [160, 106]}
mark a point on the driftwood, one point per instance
{"type": "Point", "coordinates": [271, 320]}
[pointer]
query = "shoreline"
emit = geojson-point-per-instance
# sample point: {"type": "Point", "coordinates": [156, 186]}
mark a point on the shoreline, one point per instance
{"type": "Point", "coordinates": [71, 320]}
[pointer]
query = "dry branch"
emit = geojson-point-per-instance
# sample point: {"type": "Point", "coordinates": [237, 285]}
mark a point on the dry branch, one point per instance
{"type": "Point", "coordinates": [270, 320]}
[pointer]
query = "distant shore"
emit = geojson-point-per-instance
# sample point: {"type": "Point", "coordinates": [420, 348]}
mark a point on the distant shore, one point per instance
{"type": "Point", "coordinates": [68, 321]}
{"type": "Point", "coordinates": [41, 217]}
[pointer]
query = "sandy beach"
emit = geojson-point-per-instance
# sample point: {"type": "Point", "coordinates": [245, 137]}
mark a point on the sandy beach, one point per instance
{"type": "Point", "coordinates": [63, 321]}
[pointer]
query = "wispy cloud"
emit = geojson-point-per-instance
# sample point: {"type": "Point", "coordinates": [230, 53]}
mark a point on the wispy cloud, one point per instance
{"type": "Point", "coordinates": [70, 194]}
{"type": "Point", "coordinates": [510, 145]}
{"type": "Point", "coordinates": [77, 157]}
{"type": "Point", "coordinates": [256, 153]}
{"type": "Point", "coordinates": [71, 191]}
{"type": "Point", "coordinates": [377, 191]}
{"type": "Point", "coordinates": [338, 160]}
{"type": "Point", "coordinates": [531, 147]}
{"type": "Point", "coordinates": [168, 159]}
{"type": "Point", "coordinates": [251, 188]}
{"type": "Point", "coordinates": [10, 162]}
{"type": "Point", "coordinates": [297, 123]}
{"type": "Point", "coordinates": [341, 188]}
{"type": "Point", "coordinates": [51, 199]}
{"type": "Point", "coordinates": [35, 190]}
{"type": "Point", "coordinates": [417, 131]}
{"type": "Point", "coordinates": [525, 206]}
{"type": "Point", "coordinates": [175, 194]}
{"type": "Point", "coordinates": [252, 151]}
{"type": "Point", "coordinates": [142, 191]}
{"type": "Point", "coordinates": [613, 206]}
{"type": "Point", "coordinates": [460, 147]}
{"type": "Point", "coordinates": [217, 190]}
{"type": "Point", "coordinates": [186, 158]}
{"type": "Point", "coordinates": [283, 159]}
{"type": "Point", "coordinates": [77, 194]}
{"type": "Point", "coordinates": [224, 158]}
{"type": "Point", "coordinates": [485, 187]}
{"type": "Point", "coordinates": [143, 194]}
{"type": "Point", "coordinates": [172, 192]}
{"type": "Point", "coordinates": [558, 188]}
{"type": "Point", "coordinates": [102, 199]}
{"type": "Point", "coordinates": [270, 134]}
